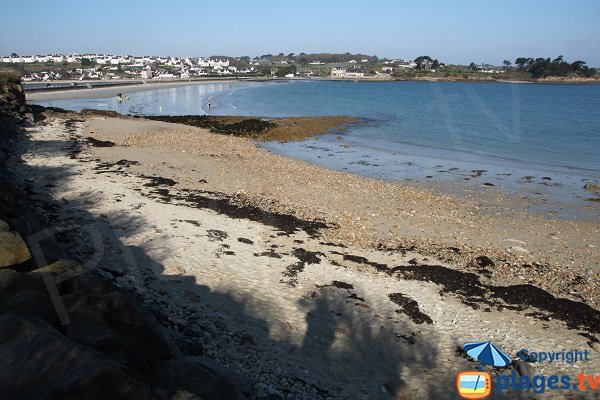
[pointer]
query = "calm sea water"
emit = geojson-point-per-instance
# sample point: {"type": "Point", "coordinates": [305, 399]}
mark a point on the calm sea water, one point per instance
{"type": "Point", "coordinates": [542, 141]}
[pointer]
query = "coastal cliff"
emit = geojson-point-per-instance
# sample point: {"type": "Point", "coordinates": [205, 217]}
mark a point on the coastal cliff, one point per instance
{"type": "Point", "coordinates": [66, 330]}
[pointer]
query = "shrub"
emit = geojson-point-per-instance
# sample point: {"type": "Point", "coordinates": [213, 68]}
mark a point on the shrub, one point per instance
{"type": "Point", "coordinates": [10, 77]}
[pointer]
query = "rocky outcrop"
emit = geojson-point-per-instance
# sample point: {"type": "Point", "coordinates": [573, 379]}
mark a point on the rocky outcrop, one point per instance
{"type": "Point", "coordinates": [70, 333]}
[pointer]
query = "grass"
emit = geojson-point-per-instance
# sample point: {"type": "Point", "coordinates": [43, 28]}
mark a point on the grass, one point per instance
{"type": "Point", "coordinates": [10, 77]}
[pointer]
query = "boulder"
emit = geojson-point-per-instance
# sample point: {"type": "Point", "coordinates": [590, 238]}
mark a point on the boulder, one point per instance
{"type": "Point", "coordinates": [12, 281]}
{"type": "Point", "coordinates": [13, 249]}
{"type": "Point", "coordinates": [245, 384]}
{"type": "Point", "coordinates": [4, 226]}
{"type": "Point", "coordinates": [177, 376]}
{"type": "Point", "coordinates": [523, 368]}
{"type": "Point", "coordinates": [100, 337]}
{"type": "Point", "coordinates": [32, 303]}
{"type": "Point", "coordinates": [124, 316]}
{"type": "Point", "coordinates": [591, 186]}
{"type": "Point", "coordinates": [39, 363]}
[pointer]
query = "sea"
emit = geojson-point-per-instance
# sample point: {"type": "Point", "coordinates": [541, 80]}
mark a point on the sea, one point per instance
{"type": "Point", "coordinates": [534, 141]}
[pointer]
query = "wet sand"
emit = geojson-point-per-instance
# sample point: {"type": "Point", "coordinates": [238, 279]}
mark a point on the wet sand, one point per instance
{"type": "Point", "coordinates": [343, 283]}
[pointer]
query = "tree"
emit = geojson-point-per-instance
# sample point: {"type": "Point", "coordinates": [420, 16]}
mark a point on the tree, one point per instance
{"type": "Point", "coordinates": [86, 62]}
{"type": "Point", "coordinates": [435, 64]}
{"type": "Point", "coordinates": [473, 67]}
{"type": "Point", "coordinates": [520, 62]}
{"type": "Point", "coordinates": [506, 64]}
{"type": "Point", "coordinates": [578, 65]}
{"type": "Point", "coordinates": [281, 72]}
{"type": "Point", "coordinates": [423, 62]}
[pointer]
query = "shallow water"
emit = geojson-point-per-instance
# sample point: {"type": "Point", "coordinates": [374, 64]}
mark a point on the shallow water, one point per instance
{"type": "Point", "coordinates": [539, 141]}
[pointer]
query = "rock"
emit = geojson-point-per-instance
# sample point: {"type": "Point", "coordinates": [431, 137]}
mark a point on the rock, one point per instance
{"type": "Point", "coordinates": [126, 318]}
{"type": "Point", "coordinates": [399, 389]}
{"type": "Point", "coordinates": [12, 281]}
{"type": "Point", "coordinates": [4, 226]}
{"type": "Point", "coordinates": [595, 346]}
{"type": "Point", "coordinates": [31, 303]}
{"type": "Point", "coordinates": [484, 261]}
{"type": "Point", "coordinates": [245, 384]}
{"type": "Point", "coordinates": [50, 366]}
{"type": "Point", "coordinates": [591, 186]}
{"type": "Point", "coordinates": [60, 272]}
{"type": "Point", "coordinates": [248, 339]}
{"type": "Point", "coordinates": [523, 368]}
{"type": "Point", "coordinates": [13, 249]}
{"type": "Point", "coordinates": [194, 378]}
{"type": "Point", "coordinates": [102, 338]}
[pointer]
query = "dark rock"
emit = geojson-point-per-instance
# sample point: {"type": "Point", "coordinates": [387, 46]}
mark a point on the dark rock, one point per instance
{"type": "Point", "coordinates": [192, 377]}
{"type": "Point", "coordinates": [39, 363]}
{"type": "Point", "coordinates": [248, 339]}
{"type": "Point", "coordinates": [126, 318]}
{"type": "Point", "coordinates": [484, 261]}
{"type": "Point", "coordinates": [30, 303]}
{"type": "Point", "coordinates": [245, 384]}
{"type": "Point", "coordinates": [100, 337]}
{"type": "Point", "coordinates": [12, 281]}
{"type": "Point", "coordinates": [523, 368]}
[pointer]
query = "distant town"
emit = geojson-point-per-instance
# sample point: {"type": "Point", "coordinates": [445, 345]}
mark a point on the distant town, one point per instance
{"type": "Point", "coordinates": [92, 66]}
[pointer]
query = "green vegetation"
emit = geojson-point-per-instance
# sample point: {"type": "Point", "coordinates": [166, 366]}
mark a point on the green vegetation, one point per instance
{"type": "Point", "coordinates": [543, 67]}
{"type": "Point", "coordinates": [290, 69]}
{"type": "Point", "coordinates": [10, 76]}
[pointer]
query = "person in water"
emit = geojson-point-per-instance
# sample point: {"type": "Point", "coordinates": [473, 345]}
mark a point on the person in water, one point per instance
{"type": "Point", "coordinates": [208, 104]}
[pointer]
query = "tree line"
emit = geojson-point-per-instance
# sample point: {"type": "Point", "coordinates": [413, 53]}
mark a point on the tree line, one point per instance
{"type": "Point", "coordinates": [544, 67]}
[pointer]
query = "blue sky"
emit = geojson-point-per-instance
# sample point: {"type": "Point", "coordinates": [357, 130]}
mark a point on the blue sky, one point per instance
{"type": "Point", "coordinates": [456, 31]}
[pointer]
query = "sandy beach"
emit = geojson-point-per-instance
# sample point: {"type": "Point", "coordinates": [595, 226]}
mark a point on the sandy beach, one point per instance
{"type": "Point", "coordinates": [103, 92]}
{"type": "Point", "coordinates": [314, 283]}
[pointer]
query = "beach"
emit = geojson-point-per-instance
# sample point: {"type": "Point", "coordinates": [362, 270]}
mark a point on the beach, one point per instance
{"type": "Point", "coordinates": [312, 282]}
{"type": "Point", "coordinates": [112, 91]}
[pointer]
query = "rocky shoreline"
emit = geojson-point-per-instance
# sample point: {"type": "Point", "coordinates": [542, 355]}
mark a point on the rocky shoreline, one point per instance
{"type": "Point", "coordinates": [68, 332]}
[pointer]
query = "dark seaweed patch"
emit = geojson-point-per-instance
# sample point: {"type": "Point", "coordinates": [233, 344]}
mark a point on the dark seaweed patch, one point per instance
{"type": "Point", "coordinates": [271, 253]}
{"type": "Point", "coordinates": [361, 260]}
{"type": "Point", "coordinates": [99, 143]}
{"type": "Point", "coordinates": [158, 181]}
{"type": "Point", "coordinates": [411, 308]}
{"type": "Point", "coordinates": [228, 206]}
{"type": "Point", "coordinates": [472, 292]}
{"type": "Point", "coordinates": [216, 235]}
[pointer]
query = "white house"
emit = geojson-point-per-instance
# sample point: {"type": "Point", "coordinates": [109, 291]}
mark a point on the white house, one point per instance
{"type": "Point", "coordinates": [147, 73]}
{"type": "Point", "coordinates": [338, 71]}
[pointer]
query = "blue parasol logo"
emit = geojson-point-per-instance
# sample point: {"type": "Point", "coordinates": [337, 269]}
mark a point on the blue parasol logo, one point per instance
{"type": "Point", "coordinates": [487, 353]}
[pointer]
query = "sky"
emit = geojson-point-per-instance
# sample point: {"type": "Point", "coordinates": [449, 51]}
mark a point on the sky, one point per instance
{"type": "Point", "coordinates": [453, 31]}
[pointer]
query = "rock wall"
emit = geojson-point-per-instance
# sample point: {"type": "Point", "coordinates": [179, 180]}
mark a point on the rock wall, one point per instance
{"type": "Point", "coordinates": [68, 333]}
